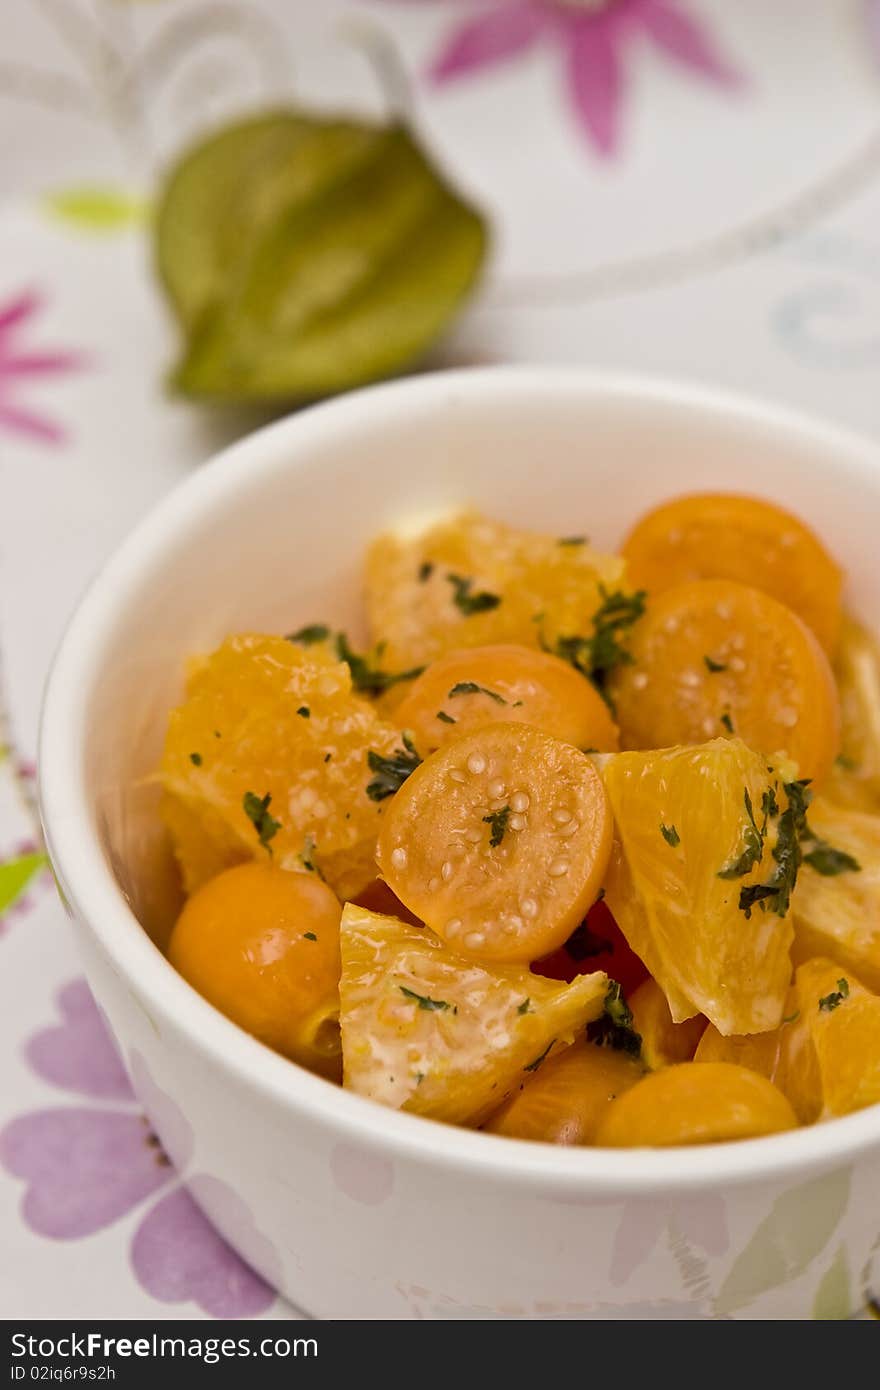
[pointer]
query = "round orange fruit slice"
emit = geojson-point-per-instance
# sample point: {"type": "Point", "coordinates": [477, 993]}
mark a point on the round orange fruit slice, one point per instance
{"type": "Point", "coordinates": [499, 842]}
{"type": "Point", "coordinates": [744, 539]}
{"type": "Point", "coordinates": [714, 659]}
{"type": "Point", "coordinates": [696, 1103]}
{"type": "Point", "coordinates": [486, 685]}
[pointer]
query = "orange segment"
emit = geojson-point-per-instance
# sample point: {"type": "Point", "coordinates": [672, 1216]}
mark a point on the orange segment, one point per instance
{"type": "Point", "coordinates": [435, 1033]}
{"type": "Point", "coordinates": [785, 1055]}
{"type": "Point", "coordinates": [565, 1101]}
{"type": "Point", "coordinates": [837, 910]}
{"type": "Point", "coordinates": [683, 821]}
{"type": "Point", "coordinates": [485, 685]}
{"type": "Point", "coordinates": [744, 539]}
{"type": "Point", "coordinates": [843, 1019]}
{"type": "Point", "coordinates": [264, 718]}
{"type": "Point", "coordinates": [499, 842]}
{"type": "Point", "coordinates": [469, 582]}
{"type": "Point", "coordinates": [715, 659]}
{"type": "Point", "coordinates": [855, 780]}
{"type": "Point", "coordinates": [663, 1040]}
{"type": "Point", "coordinates": [262, 946]}
{"type": "Point", "coordinates": [696, 1104]}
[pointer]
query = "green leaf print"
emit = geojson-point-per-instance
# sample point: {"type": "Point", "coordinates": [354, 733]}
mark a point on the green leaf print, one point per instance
{"type": "Point", "coordinates": [15, 875]}
{"type": "Point", "coordinates": [98, 209]}
{"type": "Point", "coordinates": [798, 1227]}
{"type": "Point", "coordinates": [833, 1300]}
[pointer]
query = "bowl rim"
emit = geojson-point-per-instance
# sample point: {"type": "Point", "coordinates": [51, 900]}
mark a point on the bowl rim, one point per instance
{"type": "Point", "coordinates": [98, 902]}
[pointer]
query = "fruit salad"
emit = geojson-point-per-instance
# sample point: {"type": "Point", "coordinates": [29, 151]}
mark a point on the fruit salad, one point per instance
{"type": "Point", "coordinates": [575, 848]}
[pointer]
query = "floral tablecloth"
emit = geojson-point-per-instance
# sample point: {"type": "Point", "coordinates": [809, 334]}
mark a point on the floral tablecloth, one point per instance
{"type": "Point", "coordinates": [676, 186]}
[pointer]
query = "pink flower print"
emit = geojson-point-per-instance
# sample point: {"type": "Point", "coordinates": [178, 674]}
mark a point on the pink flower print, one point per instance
{"type": "Point", "coordinates": [86, 1166]}
{"type": "Point", "coordinates": [17, 366]}
{"type": "Point", "coordinates": [594, 37]}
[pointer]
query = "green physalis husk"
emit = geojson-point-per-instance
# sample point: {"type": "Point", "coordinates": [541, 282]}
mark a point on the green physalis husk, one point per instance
{"type": "Point", "coordinates": [305, 256]}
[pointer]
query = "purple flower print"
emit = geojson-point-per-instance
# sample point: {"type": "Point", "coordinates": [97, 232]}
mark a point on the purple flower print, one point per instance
{"type": "Point", "coordinates": [594, 37]}
{"type": "Point", "coordinates": [17, 366]}
{"type": "Point", "coordinates": [86, 1166]}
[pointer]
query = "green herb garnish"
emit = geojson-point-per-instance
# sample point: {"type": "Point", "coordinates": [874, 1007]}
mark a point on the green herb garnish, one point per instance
{"type": "Point", "coordinates": [829, 1002]}
{"type": "Point", "coordinates": [596, 656]}
{"type": "Point", "coordinates": [195, 759]}
{"type": "Point", "coordinates": [775, 894]}
{"type": "Point", "coordinates": [471, 688]}
{"type": "Point", "coordinates": [426, 569]}
{"type": "Point", "coordinates": [470, 603]}
{"type": "Point", "coordinates": [752, 842]}
{"type": "Point", "coordinates": [309, 936]}
{"type": "Point", "coordinates": [444, 717]}
{"type": "Point", "coordinates": [523, 1008]}
{"type": "Point", "coordinates": [614, 1026]}
{"type": "Point", "coordinates": [309, 636]}
{"type": "Point", "coordinates": [727, 721]}
{"type": "Point", "coordinates": [391, 773]}
{"type": "Point", "coordinates": [304, 712]}
{"type": "Point", "coordinates": [424, 1001]}
{"type": "Point", "coordinates": [792, 1018]}
{"type": "Point", "coordinates": [829, 862]}
{"type": "Point", "coordinates": [256, 808]}
{"type": "Point", "coordinates": [584, 943]}
{"type": "Point", "coordinates": [572, 540]}
{"type": "Point", "coordinates": [306, 857]}
{"type": "Point", "coordinates": [670, 835]}
{"type": "Point", "coordinates": [366, 677]}
{"type": "Point", "coordinates": [533, 1066]}
{"type": "Point", "coordinates": [498, 821]}
{"type": "Point", "coordinates": [714, 666]}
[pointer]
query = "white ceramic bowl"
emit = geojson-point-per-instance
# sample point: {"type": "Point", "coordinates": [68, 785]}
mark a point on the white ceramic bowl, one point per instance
{"type": "Point", "coordinates": [350, 1209]}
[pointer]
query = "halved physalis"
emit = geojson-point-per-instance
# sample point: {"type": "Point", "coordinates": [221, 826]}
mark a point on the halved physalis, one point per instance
{"type": "Point", "coordinates": [744, 539]}
{"type": "Point", "coordinates": [700, 880]}
{"type": "Point", "coordinates": [855, 780]}
{"type": "Point", "coordinates": [664, 1041]}
{"type": "Point", "coordinates": [433, 1032]}
{"type": "Point", "coordinates": [468, 582]}
{"type": "Point", "coordinates": [499, 842]}
{"type": "Point", "coordinates": [714, 659]}
{"type": "Point", "coordinates": [504, 683]}
{"type": "Point", "coordinates": [267, 758]}
{"type": "Point", "coordinates": [843, 1019]}
{"type": "Point", "coordinates": [836, 904]}
{"type": "Point", "coordinates": [565, 1102]}
{"type": "Point", "coordinates": [693, 1103]}
{"type": "Point", "coordinates": [262, 945]}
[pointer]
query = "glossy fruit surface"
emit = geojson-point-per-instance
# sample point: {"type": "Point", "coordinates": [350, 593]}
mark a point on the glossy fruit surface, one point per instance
{"type": "Point", "coordinates": [843, 1018]}
{"type": "Point", "coordinates": [486, 685]}
{"type": "Point", "coordinates": [836, 904]}
{"type": "Point", "coordinates": [471, 582]}
{"type": "Point", "coordinates": [664, 1042]}
{"type": "Point", "coordinates": [744, 539]}
{"type": "Point", "coordinates": [565, 1101]}
{"type": "Point", "coordinates": [694, 833]}
{"type": "Point", "coordinates": [714, 659]}
{"type": "Point", "coordinates": [433, 1032]}
{"type": "Point", "coordinates": [266, 758]}
{"type": "Point", "coordinates": [696, 1103]}
{"type": "Point", "coordinates": [499, 842]}
{"type": "Point", "coordinates": [262, 946]}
